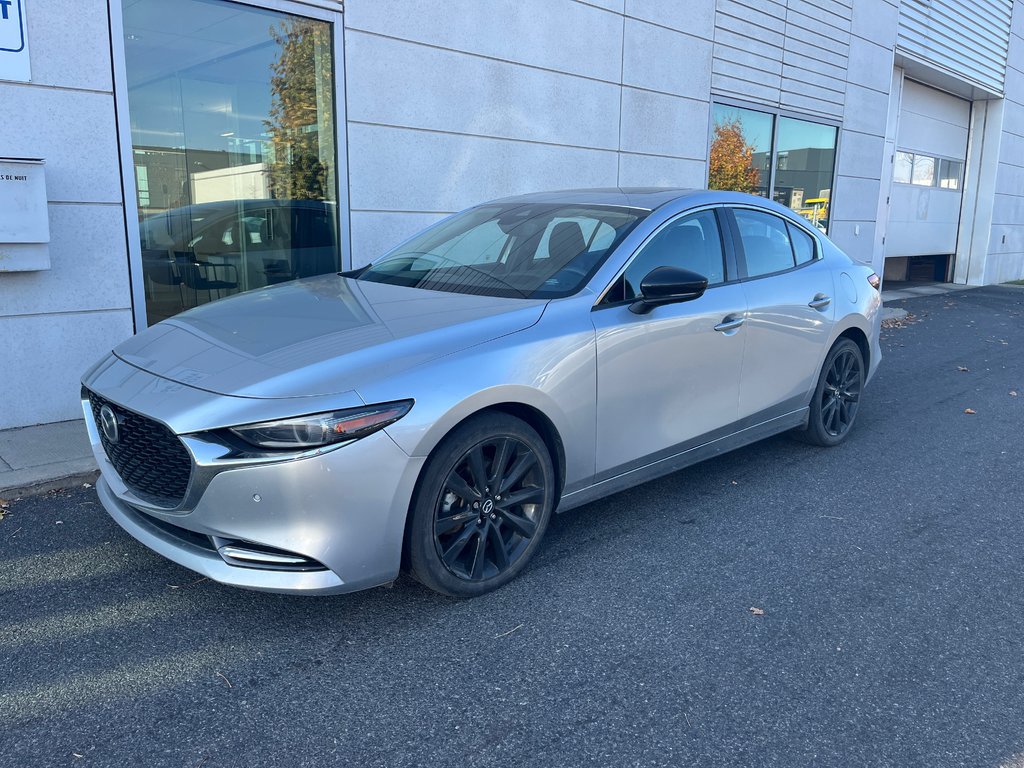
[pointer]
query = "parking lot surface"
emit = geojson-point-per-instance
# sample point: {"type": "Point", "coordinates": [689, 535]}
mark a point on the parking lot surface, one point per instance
{"type": "Point", "coordinates": [888, 570]}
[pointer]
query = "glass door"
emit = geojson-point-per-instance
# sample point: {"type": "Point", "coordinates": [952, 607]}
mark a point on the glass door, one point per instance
{"type": "Point", "coordinates": [233, 143]}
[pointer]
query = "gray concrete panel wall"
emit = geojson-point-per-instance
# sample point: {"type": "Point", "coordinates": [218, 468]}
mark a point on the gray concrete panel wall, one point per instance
{"type": "Point", "coordinates": [450, 107]}
{"type": "Point", "coordinates": [57, 322]}
{"type": "Point", "coordinates": [1005, 260]}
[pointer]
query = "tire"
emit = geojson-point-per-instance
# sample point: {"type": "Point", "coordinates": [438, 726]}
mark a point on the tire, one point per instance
{"type": "Point", "coordinates": [464, 540]}
{"type": "Point", "coordinates": [836, 398]}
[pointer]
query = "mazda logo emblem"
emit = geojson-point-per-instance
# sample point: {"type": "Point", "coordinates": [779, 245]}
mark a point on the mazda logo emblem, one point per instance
{"type": "Point", "coordinates": [109, 425]}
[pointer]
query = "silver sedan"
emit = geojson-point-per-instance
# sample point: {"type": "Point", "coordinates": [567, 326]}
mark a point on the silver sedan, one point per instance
{"type": "Point", "coordinates": [432, 410]}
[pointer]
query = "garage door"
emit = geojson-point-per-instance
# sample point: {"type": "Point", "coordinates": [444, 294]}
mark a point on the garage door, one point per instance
{"type": "Point", "coordinates": [928, 173]}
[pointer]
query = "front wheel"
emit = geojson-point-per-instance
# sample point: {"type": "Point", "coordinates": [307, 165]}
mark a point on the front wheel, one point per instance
{"type": "Point", "coordinates": [482, 506]}
{"type": "Point", "coordinates": [836, 399]}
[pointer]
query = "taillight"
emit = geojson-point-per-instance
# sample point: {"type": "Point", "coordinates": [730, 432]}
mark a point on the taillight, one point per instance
{"type": "Point", "coordinates": [875, 281]}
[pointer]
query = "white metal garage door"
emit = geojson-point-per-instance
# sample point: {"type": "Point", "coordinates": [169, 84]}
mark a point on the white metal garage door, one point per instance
{"type": "Point", "coordinates": [928, 173]}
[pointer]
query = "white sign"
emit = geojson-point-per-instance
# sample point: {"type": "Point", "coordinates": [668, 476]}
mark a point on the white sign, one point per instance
{"type": "Point", "coordinates": [24, 217]}
{"type": "Point", "coordinates": [14, 63]}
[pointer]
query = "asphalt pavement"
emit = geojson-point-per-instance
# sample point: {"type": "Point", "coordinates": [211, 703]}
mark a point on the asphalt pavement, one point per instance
{"type": "Point", "coordinates": [888, 571]}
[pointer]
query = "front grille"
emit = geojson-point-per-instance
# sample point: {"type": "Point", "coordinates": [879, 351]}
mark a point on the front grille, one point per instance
{"type": "Point", "coordinates": [148, 457]}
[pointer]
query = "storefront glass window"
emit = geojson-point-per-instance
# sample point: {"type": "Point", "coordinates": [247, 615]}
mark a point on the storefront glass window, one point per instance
{"type": "Point", "coordinates": [232, 117]}
{"type": "Point", "coordinates": [741, 149]}
{"type": "Point", "coordinates": [744, 145]}
{"type": "Point", "coordinates": [805, 158]}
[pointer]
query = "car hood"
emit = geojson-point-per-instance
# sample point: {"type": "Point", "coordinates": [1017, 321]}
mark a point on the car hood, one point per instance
{"type": "Point", "coordinates": [320, 336]}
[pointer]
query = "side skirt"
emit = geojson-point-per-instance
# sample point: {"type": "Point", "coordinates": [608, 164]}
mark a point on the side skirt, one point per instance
{"type": "Point", "coordinates": [686, 458]}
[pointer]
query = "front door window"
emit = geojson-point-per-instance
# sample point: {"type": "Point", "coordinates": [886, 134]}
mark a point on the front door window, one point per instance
{"type": "Point", "coordinates": [233, 136]}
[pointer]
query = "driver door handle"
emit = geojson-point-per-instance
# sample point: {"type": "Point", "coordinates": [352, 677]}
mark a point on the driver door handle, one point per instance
{"type": "Point", "coordinates": [820, 301]}
{"type": "Point", "coordinates": [729, 323]}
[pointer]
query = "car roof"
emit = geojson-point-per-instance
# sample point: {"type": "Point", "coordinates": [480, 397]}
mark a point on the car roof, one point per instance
{"type": "Point", "coordinates": [645, 198]}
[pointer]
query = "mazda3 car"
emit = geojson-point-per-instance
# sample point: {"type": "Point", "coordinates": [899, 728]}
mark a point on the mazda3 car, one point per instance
{"type": "Point", "coordinates": [430, 411]}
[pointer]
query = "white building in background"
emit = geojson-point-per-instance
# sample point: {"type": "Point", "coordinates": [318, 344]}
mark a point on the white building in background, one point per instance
{"type": "Point", "coordinates": [157, 154]}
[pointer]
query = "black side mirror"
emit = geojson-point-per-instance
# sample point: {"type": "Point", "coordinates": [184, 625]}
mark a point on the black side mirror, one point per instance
{"type": "Point", "coordinates": [668, 285]}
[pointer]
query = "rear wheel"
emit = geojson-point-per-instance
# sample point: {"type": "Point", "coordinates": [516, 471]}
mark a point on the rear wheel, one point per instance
{"type": "Point", "coordinates": [483, 505]}
{"type": "Point", "coordinates": [836, 399]}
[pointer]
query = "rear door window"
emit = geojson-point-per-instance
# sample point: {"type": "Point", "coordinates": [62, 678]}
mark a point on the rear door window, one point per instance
{"type": "Point", "coordinates": [767, 247]}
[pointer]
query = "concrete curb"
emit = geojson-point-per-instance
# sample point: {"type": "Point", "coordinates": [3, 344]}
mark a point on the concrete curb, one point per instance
{"type": "Point", "coordinates": [16, 488]}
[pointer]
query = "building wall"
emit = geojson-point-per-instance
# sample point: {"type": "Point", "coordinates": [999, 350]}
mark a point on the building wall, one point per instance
{"type": "Point", "coordinates": [489, 99]}
{"type": "Point", "coordinates": [452, 104]}
{"type": "Point", "coordinates": [1005, 260]}
{"type": "Point", "coordinates": [55, 323]}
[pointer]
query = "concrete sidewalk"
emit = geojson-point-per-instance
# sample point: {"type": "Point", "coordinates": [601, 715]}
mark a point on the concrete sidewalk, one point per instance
{"type": "Point", "coordinates": [35, 459]}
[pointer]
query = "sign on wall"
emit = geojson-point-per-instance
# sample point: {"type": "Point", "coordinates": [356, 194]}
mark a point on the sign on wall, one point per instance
{"type": "Point", "coordinates": [24, 216]}
{"type": "Point", "coordinates": [14, 63]}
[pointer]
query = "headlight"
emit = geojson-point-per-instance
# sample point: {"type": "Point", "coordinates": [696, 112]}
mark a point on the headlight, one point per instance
{"type": "Point", "coordinates": [323, 428]}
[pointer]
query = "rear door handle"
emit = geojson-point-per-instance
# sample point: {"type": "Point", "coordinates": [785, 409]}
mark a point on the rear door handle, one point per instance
{"type": "Point", "coordinates": [729, 323]}
{"type": "Point", "coordinates": [820, 301]}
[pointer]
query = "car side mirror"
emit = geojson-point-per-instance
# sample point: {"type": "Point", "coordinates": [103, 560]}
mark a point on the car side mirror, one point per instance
{"type": "Point", "coordinates": [668, 285]}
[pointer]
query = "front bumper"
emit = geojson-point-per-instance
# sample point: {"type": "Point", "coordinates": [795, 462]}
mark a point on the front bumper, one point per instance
{"type": "Point", "coordinates": [345, 509]}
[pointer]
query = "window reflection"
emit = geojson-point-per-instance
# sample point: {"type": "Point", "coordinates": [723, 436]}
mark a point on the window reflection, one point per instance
{"type": "Point", "coordinates": [950, 172]}
{"type": "Point", "coordinates": [232, 115]}
{"type": "Point", "coordinates": [741, 146]}
{"type": "Point", "coordinates": [923, 173]}
{"type": "Point", "coordinates": [745, 143]}
{"type": "Point", "coordinates": [927, 171]}
{"type": "Point", "coordinates": [805, 160]}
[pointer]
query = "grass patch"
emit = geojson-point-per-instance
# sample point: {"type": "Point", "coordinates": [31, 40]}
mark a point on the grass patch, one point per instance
{"type": "Point", "coordinates": [1014, 282]}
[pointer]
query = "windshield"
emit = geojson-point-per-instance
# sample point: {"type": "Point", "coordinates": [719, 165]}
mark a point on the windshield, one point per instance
{"type": "Point", "coordinates": [530, 251]}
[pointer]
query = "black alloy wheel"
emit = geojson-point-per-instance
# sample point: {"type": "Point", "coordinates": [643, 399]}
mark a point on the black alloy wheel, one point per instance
{"type": "Point", "coordinates": [841, 394]}
{"type": "Point", "coordinates": [490, 490]}
{"type": "Point", "coordinates": [837, 397]}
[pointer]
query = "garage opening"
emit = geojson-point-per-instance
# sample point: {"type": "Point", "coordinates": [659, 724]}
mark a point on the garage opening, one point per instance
{"type": "Point", "coordinates": [927, 189]}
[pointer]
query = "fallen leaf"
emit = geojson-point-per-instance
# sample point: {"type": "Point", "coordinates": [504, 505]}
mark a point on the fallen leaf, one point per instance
{"type": "Point", "coordinates": [1013, 393]}
{"type": "Point", "coordinates": [87, 485]}
{"type": "Point", "coordinates": [962, 369]}
{"type": "Point", "coordinates": [970, 411]}
{"type": "Point", "coordinates": [757, 611]}
{"type": "Point", "coordinates": [506, 634]}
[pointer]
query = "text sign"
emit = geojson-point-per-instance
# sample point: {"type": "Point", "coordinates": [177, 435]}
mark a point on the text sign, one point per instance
{"type": "Point", "coordinates": [14, 61]}
{"type": "Point", "coordinates": [23, 211]}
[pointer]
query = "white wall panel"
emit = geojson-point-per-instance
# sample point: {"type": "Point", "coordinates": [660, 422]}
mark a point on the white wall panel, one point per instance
{"type": "Point", "coordinates": [968, 38]}
{"type": "Point", "coordinates": [933, 122]}
{"type": "Point", "coordinates": [44, 358]}
{"type": "Point", "coordinates": [55, 323]}
{"type": "Point", "coordinates": [70, 44]}
{"type": "Point", "coordinates": [430, 88]}
{"type": "Point", "coordinates": [658, 124]}
{"type": "Point", "coordinates": [649, 170]}
{"type": "Point", "coordinates": [88, 270]}
{"type": "Point", "coordinates": [660, 59]}
{"type": "Point", "coordinates": [73, 131]}
{"type": "Point", "coordinates": [562, 35]}
{"type": "Point", "coordinates": [695, 17]}
{"type": "Point", "coordinates": [922, 221]}
{"type": "Point", "coordinates": [400, 169]}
